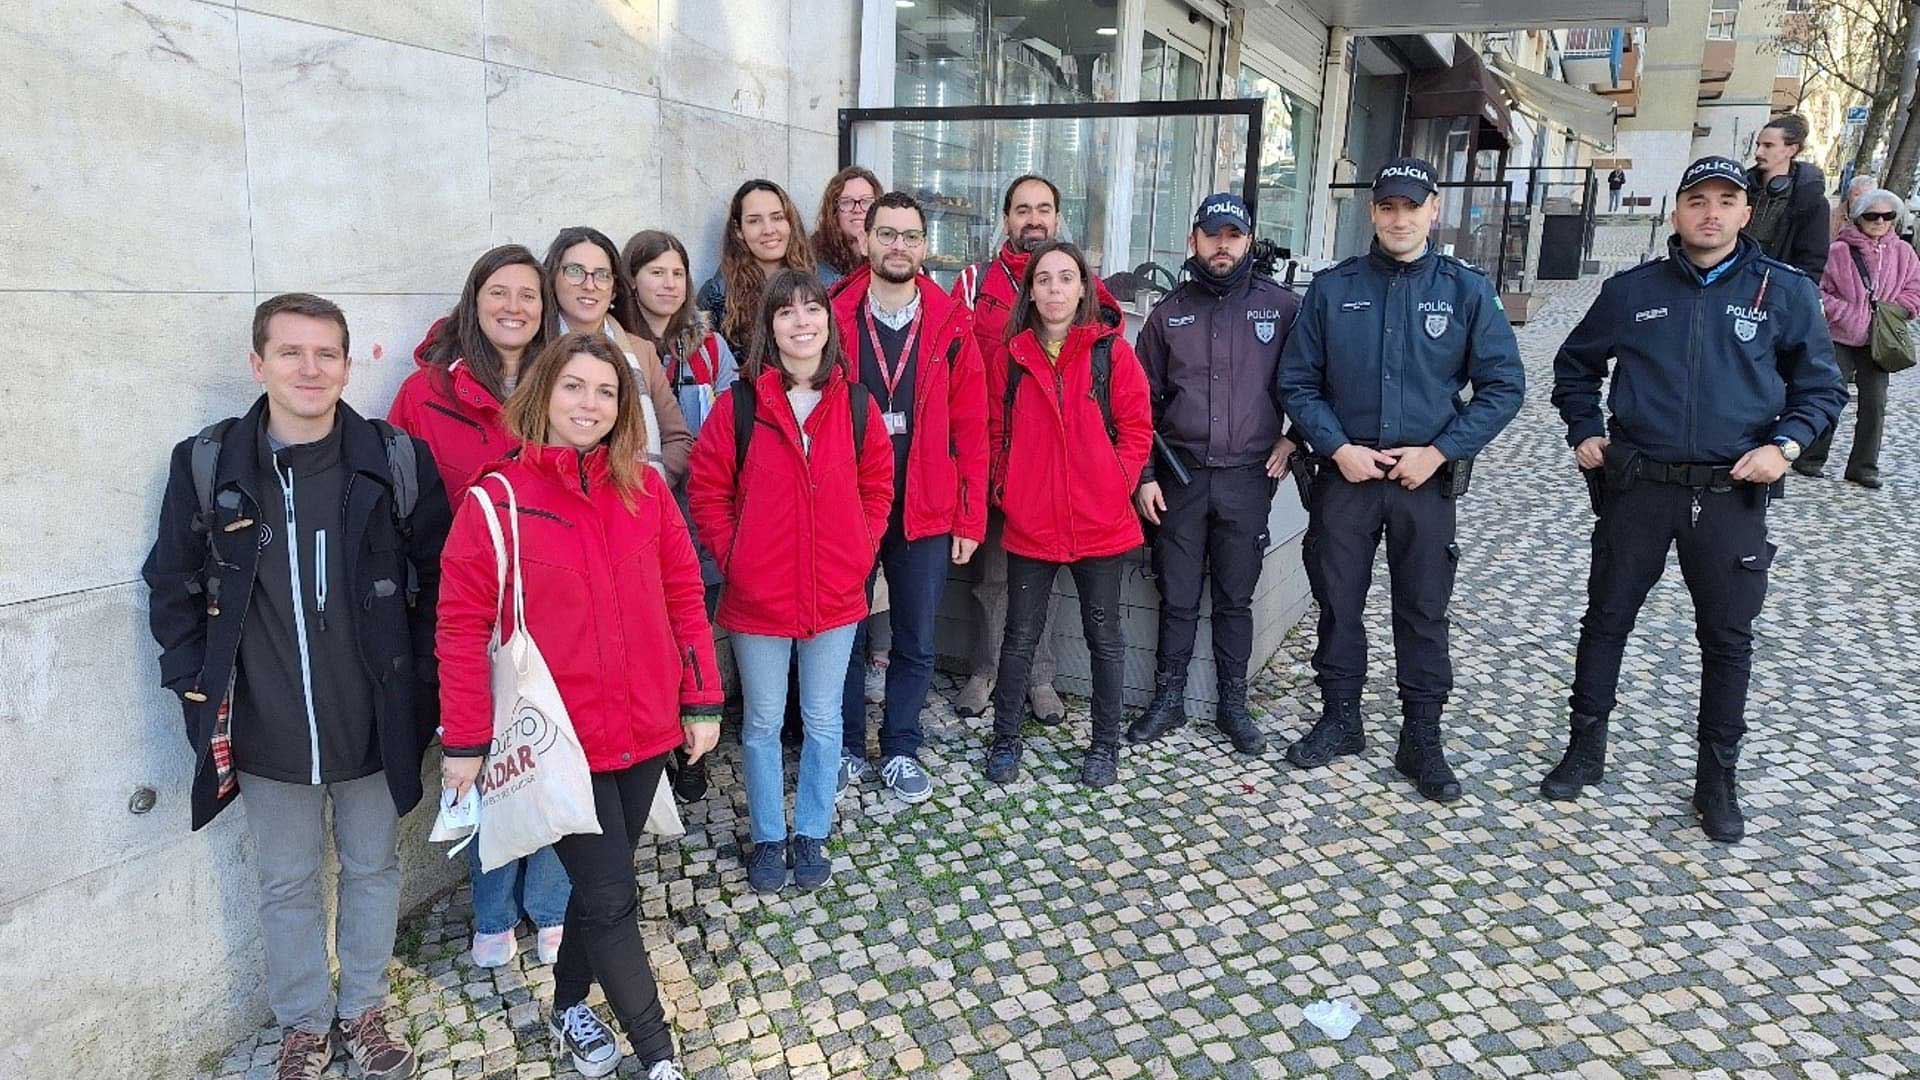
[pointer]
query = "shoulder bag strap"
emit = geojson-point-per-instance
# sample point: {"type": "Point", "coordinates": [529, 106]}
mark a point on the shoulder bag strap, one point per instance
{"type": "Point", "coordinates": [479, 492]}
{"type": "Point", "coordinates": [1866, 277]}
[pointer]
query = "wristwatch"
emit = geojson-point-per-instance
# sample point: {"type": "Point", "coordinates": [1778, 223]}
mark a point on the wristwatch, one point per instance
{"type": "Point", "coordinates": [1788, 448]}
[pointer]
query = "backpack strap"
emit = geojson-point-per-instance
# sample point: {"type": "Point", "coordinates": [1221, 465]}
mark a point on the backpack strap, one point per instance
{"type": "Point", "coordinates": [859, 398]}
{"type": "Point", "coordinates": [404, 464]}
{"type": "Point", "coordinates": [970, 284]}
{"type": "Point", "coordinates": [205, 462]}
{"type": "Point", "coordinates": [1014, 372]}
{"type": "Point", "coordinates": [1103, 386]}
{"type": "Point", "coordinates": [744, 407]}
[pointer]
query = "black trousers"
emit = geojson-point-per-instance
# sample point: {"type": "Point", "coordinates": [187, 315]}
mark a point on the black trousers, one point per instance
{"type": "Point", "coordinates": [1343, 532]}
{"type": "Point", "coordinates": [602, 939]}
{"type": "Point", "coordinates": [1870, 425]}
{"type": "Point", "coordinates": [1724, 556]}
{"type": "Point", "coordinates": [1029, 583]}
{"type": "Point", "coordinates": [1214, 529]}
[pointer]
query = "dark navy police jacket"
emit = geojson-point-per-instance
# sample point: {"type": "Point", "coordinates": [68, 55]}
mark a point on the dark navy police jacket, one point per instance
{"type": "Point", "coordinates": [1703, 372]}
{"type": "Point", "coordinates": [1383, 348]}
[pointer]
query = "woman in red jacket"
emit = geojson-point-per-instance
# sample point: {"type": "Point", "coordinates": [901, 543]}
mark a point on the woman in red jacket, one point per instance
{"type": "Point", "coordinates": [795, 519]}
{"type": "Point", "coordinates": [613, 597]}
{"type": "Point", "coordinates": [1069, 501]}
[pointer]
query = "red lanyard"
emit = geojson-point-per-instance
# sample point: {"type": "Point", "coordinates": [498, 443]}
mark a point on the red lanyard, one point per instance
{"type": "Point", "coordinates": [880, 355]}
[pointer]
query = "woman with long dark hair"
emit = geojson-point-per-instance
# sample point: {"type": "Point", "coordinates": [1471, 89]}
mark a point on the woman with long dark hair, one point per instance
{"type": "Point", "coordinates": [794, 506]}
{"type": "Point", "coordinates": [589, 294]}
{"type": "Point", "coordinates": [764, 236]}
{"type": "Point", "coordinates": [661, 311]}
{"type": "Point", "coordinates": [840, 232]}
{"type": "Point", "coordinates": [1069, 503]}
{"type": "Point", "coordinates": [604, 560]}
{"type": "Point", "coordinates": [469, 364]}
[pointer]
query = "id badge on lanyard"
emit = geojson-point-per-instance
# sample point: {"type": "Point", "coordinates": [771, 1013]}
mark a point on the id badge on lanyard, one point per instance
{"type": "Point", "coordinates": [895, 420]}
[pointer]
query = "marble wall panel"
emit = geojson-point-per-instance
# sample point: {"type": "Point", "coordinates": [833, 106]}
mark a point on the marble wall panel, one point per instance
{"type": "Point", "coordinates": [728, 55]}
{"type": "Point", "coordinates": [448, 25]}
{"type": "Point", "coordinates": [566, 153]}
{"type": "Point", "coordinates": [122, 158]}
{"type": "Point", "coordinates": [812, 159]}
{"type": "Point", "coordinates": [606, 42]}
{"type": "Point", "coordinates": [367, 160]}
{"type": "Point", "coordinates": [77, 509]}
{"type": "Point", "coordinates": [823, 69]}
{"type": "Point", "coordinates": [696, 187]}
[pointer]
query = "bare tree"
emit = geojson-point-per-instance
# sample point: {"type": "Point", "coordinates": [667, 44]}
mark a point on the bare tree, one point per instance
{"type": "Point", "coordinates": [1857, 47]}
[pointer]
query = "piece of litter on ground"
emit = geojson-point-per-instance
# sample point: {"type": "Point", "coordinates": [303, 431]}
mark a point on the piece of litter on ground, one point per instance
{"type": "Point", "coordinates": [1336, 1018]}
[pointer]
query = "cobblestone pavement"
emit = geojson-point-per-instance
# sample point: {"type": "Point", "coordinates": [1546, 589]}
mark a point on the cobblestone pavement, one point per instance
{"type": "Point", "coordinates": [1177, 925]}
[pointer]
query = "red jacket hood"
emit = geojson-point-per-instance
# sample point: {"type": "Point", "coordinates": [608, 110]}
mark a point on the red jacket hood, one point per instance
{"type": "Point", "coordinates": [426, 342]}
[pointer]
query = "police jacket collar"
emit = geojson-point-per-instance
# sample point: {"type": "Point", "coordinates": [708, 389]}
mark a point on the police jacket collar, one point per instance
{"type": "Point", "coordinates": [1383, 261]}
{"type": "Point", "coordinates": [1744, 251]}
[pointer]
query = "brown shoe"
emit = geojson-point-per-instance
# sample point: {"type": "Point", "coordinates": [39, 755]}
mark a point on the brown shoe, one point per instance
{"type": "Point", "coordinates": [375, 1048]}
{"type": "Point", "coordinates": [303, 1055]}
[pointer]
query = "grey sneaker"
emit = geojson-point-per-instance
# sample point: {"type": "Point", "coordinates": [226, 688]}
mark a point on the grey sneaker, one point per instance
{"type": "Point", "coordinates": [876, 681]}
{"type": "Point", "coordinates": [1048, 709]}
{"type": "Point", "coordinates": [975, 695]}
{"type": "Point", "coordinates": [578, 1031]}
{"type": "Point", "coordinates": [905, 778]}
{"type": "Point", "coordinates": [853, 771]}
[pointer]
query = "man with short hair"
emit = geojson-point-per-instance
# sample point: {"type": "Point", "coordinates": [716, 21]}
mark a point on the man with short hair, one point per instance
{"type": "Point", "coordinates": [1721, 371]}
{"type": "Point", "coordinates": [917, 358]}
{"type": "Point", "coordinates": [1030, 216]}
{"type": "Point", "coordinates": [1616, 180]}
{"type": "Point", "coordinates": [1788, 198]}
{"type": "Point", "coordinates": [1211, 348]}
{"type": "Point", "coordinates": [1372, 378]}
{"type": "Point", "coordinates": [293, 586]}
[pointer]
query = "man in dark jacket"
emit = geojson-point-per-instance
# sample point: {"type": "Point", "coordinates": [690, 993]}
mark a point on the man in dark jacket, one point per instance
{"type": "Point", "coordinates": [1788, 198]}
{"type": "Point", "coordinates": [293, 604]}
{"type": "Point", "coordinates": [1722, 370]}
{"type": "Point", "coordinates": [1372, 377]}
{"type": "Point", "coordinates": [1211, 349]}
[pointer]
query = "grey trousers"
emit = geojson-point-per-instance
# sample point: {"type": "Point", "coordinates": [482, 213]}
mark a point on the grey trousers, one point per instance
{"type": "Point", "coordinates": [288, 823]}
{"type": "Point", "coordinates": [990, 614]}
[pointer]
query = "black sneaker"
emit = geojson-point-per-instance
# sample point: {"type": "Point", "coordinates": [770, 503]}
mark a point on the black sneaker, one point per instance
{"type": "Point", "coordinates": [767, 866]}
{"type": "Point", "coordinates": [1101, 766]}
{"type": "Point", "coordinates": [812, 866]}
{"type": "Point", "coordinates": [1003, 761]}
{"type": "Point", "coordinates": [688, 778]}
{"type": "Point", "coordinates": [580, 1033]}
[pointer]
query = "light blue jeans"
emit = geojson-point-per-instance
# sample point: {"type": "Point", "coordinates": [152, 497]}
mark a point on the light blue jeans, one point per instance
{"type": "Point", "coordinates": [763, 691]}
{"type": "Point", "coordinates": [536, 885]}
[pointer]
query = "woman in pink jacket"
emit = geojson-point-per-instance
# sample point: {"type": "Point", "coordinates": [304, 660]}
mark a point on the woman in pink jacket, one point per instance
{"type": "Point", "coordinates": [1872, 240]}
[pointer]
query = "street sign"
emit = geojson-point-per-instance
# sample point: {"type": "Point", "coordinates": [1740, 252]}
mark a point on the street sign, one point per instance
{"type": "Point", "coordinates": [1856, 115]}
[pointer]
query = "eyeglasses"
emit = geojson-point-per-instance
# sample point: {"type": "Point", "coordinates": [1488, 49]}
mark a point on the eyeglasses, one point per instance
{"type": "Point", "coordinates": [578, 275]}
{"type": "Point", "coordinates": [849, 203]}
{"type": "Point", "coordinates": [1879, 215]}
{"type": "Point", "coordinates": [912, 238]}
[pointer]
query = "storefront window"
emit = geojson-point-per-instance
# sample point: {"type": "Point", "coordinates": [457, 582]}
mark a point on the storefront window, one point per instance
{"type": "Point", "coordinates": [1002, 52]}
{"type": "Point", "coordinates": [1288, 128]}
{"type": "Point", "coordinates": [1168, 152]}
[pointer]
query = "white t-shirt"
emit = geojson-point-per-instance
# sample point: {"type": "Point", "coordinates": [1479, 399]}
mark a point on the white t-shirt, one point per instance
{"type": "Point", "coordinates": [803, 401]}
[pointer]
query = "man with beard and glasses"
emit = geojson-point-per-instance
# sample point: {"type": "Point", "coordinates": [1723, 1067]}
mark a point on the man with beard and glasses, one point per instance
{"type": "Point", "coordinates": [917, 356]}
{"type": "Point", "coordinates": [1211, 350]}
{"type": "Point", "coordinates": [1030, 212]}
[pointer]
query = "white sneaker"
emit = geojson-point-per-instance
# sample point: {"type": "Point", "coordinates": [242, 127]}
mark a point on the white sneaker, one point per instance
{"type": "Point", "coordinates": [580, 1033]}
{"type": "Point", "coordinates": [666, 1070]}
{"type": "Point", "coordinates": [547, 943]}
{"type": "Point", "coordinates": [494, 950]}
{"type": "Point", "coordinates": [877, 681]}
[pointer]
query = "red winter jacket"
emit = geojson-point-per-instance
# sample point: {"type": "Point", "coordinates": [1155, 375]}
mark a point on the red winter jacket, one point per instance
{"type": "Point", "coordinates": [947, 456]}
{"type": "Point", "coordinates": [991, 289]}
{"type": "Point", "coordinates": [465, 431]}
{"type": "Point", "coordinates": [614, 602]}
{"type": "Point", "coordinates": [795, 534]}
{"type": "Point", "coordinates": [1072, 495]}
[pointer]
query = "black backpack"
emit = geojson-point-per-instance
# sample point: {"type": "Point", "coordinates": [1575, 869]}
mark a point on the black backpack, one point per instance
{"type": "Point", "coordinates": [1102, 394]}
{"type": "Point", "coordinates": [746, 405]}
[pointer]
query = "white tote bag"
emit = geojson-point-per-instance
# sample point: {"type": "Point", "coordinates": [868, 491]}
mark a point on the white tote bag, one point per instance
{"type": "Point", "coordinates": [536, 787]}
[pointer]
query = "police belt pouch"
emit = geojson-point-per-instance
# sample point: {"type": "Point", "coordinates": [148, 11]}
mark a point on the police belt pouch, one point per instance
{"type": "Point", "coordinates": [1888, 344]}
{"type": "Point", "coordinates": [1456, 477]}
{"type": "Point", "coordinates": [1303, 466]}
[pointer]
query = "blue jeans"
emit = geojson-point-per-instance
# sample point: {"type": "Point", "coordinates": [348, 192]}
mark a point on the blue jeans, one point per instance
{"type": "Point", "coordinates": [536, 885]}
{"type": "Point", "coordinates": [763, 692]}
{"type": "Point", "coordinates": [916, 575]}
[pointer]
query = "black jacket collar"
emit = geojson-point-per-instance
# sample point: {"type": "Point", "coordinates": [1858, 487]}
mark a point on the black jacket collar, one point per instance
{"type": "Point", "coordinates": [361, 448]}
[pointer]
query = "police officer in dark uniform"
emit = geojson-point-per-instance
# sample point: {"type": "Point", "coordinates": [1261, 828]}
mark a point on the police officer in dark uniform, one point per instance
{"type": "Point", "coordinates": [1372, 377]}
{"type": "Point", "coordinates": [1722, 371]}
{"type": "Point", "coordinates": [1211, 349]}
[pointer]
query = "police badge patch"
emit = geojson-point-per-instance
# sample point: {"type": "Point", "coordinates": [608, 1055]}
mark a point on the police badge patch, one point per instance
{"type": "Point", "coordinates": [1264, 331]}
{"type": "Point", "coordinates": [1744, 329]}
{"type": "Point", "coordinates": [1436, 325]}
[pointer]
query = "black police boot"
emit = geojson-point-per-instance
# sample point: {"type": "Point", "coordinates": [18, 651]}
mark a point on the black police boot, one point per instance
{"type": "Point", "coordinates": [1232, 719]}
{"type": "Point", "coordinates": [1584, 762]}
{"type": "Point", "coordinates": [1167, 712]}
{"type": "Point", "coordinates": [1423, 760]}
{"type": "Point", "coordinates": [1713, 794]}
{"type": "Point", "coordinates": [1337, 732]}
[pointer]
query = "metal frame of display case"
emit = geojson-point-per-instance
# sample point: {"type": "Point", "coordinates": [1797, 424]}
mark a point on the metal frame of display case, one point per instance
{"type": "Point", "coordinates": [1119, 110]}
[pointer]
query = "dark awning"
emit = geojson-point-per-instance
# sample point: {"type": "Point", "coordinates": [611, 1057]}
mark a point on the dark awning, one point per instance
{"type": "Point", "coordinates": [1465, 89]}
